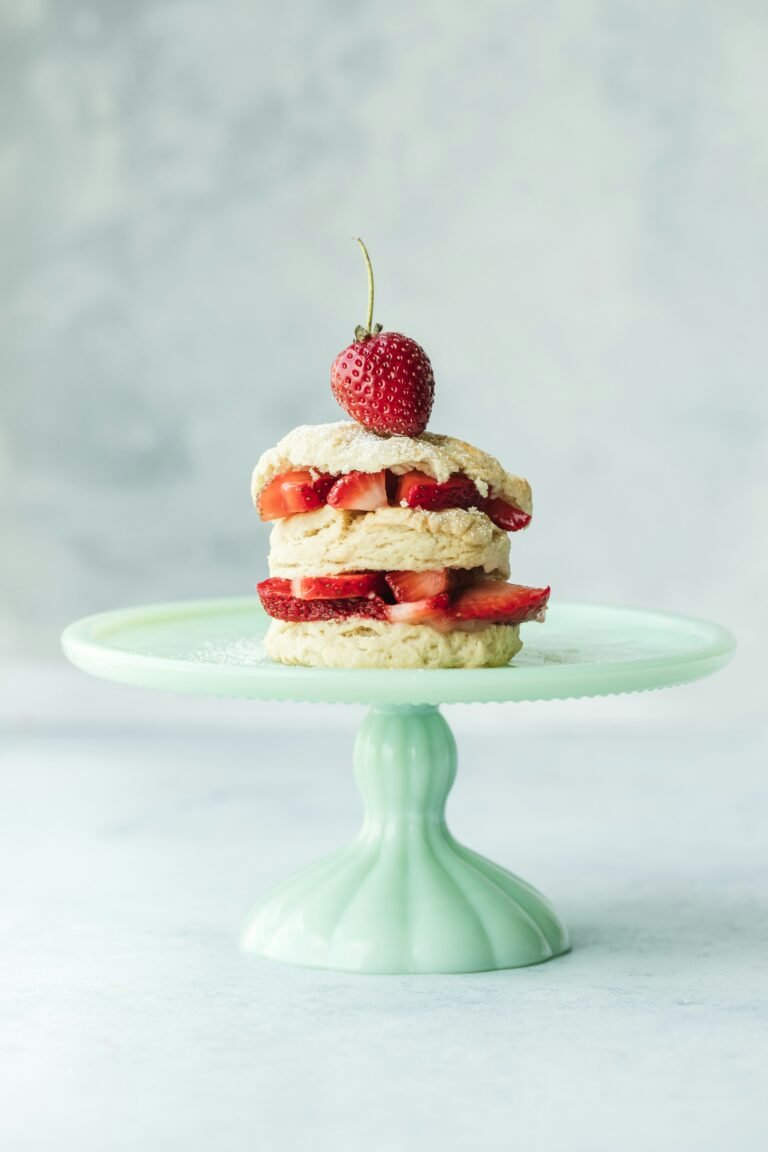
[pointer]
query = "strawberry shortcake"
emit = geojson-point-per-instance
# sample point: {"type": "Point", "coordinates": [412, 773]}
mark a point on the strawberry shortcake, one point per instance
{"type": "Point", "coordinates": [390, 545]}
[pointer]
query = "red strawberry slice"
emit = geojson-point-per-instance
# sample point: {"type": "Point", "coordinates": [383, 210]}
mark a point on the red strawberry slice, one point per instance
{"type": "Point", "coordinates": [364, 491]}
{"type": "Point", "coordinates": [350, 585]}
{"type": "Point", "coordinates": [505, 515]}
{"type": "Point", "coordinates": [417, 490]}
{"type": "Point", "coordinates": [409, 586]}
{"type": "Point", "coordinates": [385, 382]}
{"type": "Point", "coordinates": [323, 484]}
{"type": "Point", "coordinates": [499, 603]}
{"type": "Point", "coordinates": [293, 492]}
{"type": "Point", "coordinates": [418, 611]}
{"type": "Point", "coordinates": [278, 601]}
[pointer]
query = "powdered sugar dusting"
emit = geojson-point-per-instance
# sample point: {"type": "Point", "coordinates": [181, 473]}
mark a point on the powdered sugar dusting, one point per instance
{"type": "Point", "coordinates": [243, 652]}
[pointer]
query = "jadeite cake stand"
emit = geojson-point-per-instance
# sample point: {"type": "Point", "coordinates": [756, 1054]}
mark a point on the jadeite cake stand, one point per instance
{"type": "Point", "coordinates": [403, 896]}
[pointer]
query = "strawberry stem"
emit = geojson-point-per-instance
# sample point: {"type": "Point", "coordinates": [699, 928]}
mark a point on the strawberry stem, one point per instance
{"type": "Point", "coordinates": [362, 333]}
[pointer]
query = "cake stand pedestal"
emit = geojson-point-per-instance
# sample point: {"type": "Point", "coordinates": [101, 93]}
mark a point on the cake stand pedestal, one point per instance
{"type": "Point", "coordinates": [404, 895]}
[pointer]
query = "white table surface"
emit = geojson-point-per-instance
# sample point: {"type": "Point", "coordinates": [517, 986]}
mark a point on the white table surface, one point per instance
{"type": "Point", "coordinates": [135, 832]}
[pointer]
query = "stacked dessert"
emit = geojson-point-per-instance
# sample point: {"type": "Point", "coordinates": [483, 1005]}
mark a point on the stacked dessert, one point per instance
{"type": "Point", "coordinates": [390, 547]}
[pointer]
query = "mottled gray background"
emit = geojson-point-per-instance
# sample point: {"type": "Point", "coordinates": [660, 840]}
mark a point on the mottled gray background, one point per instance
{"type": "Point", "coordinates": [565, 203]}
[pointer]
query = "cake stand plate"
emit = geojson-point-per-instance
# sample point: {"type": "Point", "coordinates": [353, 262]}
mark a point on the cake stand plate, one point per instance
{"type": "Point", "coordinates": [404, 895]}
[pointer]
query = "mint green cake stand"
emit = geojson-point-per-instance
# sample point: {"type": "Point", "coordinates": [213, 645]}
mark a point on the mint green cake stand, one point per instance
{"type": "Point", "coordinates": [404, 895]}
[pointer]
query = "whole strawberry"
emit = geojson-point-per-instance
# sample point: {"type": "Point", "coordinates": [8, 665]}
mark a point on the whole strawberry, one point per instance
{"type": "Point", "coordinates": [384, 380]}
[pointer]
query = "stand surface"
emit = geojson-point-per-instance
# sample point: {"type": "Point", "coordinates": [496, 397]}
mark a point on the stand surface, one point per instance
{"type": "Point", "coordinates": [403, 896]}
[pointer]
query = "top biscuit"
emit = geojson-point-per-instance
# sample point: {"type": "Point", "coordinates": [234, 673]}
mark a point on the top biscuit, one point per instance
{"type": "Point", "coordinates": [348, 447]}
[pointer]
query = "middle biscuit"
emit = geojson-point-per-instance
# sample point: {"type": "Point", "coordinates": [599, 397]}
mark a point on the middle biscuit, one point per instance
{"type": "Point", "coordinates": [329, 541]}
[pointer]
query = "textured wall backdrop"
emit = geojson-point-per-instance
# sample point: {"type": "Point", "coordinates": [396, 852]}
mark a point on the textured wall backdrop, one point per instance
{"type": "Point", "coordinates": [565, 203]}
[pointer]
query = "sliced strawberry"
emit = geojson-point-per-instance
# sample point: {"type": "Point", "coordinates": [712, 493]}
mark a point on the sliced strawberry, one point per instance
{"type": "Point", "coordinates": [419, 585]}
{"type": "Point", "coordinates": [349, 585]}
{"type": "Point", "coordinates": [293, 492]}
{"type": "Point", "coordinates": [323, 484]}
{"type": "Point", "coordinates": [363, 491]}
{"type": "Point", "coordinates": [409, 482]}
{"type": "Point", "coordinates": [392, 481]}
{"type": "Point", "coordinates": [418, 611]}
{"type": "Point", "coordinates": [499, 603]}
{"type": "Point", "coordinates": [417, 490]}
{"type": "Point", "coordinates": [275, 595]}
{"type": "Point", "coordinates": [505, 515]}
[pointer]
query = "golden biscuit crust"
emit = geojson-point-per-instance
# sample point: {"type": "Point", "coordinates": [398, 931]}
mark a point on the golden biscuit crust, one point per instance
{"type": "Point", "coordinates": [348, 447]}
{"type": "Point", "coordinates": [329, 540]}
{"type": "Point", "coordinates": [360, 643]}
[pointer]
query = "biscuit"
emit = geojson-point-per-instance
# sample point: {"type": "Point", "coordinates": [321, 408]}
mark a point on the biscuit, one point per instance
{"type": "Point", "coordinates": [329, 540]}
{"type": "Point", "coordinates": [348, 447]}
{"type": "Point", "coordinates": [360, 643]}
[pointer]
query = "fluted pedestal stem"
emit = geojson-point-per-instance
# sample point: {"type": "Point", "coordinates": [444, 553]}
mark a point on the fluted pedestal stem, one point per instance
{"type": "Point", "coordinates": [405, 896]}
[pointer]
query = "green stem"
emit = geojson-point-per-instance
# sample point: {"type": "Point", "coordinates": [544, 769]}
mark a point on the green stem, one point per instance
{"type": "Point", "coordinates": [369, 270]}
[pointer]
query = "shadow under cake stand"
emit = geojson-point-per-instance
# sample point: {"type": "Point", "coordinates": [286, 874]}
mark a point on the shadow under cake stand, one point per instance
{"type": "Point", "coordinates": [404, 895]}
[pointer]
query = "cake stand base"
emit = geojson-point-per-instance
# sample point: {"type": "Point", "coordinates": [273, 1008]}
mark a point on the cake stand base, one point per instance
{"type": "Point", "coordinates": [404, 896]}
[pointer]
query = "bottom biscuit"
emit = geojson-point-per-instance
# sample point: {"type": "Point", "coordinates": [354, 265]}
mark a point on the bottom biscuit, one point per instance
{"type": "Point", "coordinates": [360, 643]}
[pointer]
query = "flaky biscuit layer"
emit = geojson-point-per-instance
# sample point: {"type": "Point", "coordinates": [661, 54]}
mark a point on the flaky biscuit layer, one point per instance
{"type": "Point", "coordinates": [330, 540]}
{"type": "Point", "coordinates": [348, 447]}
{"type": "Point", "coordinates": [360, 643]}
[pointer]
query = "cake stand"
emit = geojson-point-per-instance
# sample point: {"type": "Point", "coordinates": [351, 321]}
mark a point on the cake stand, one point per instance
{"type": "Point", "coordinates": [404, 895]}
